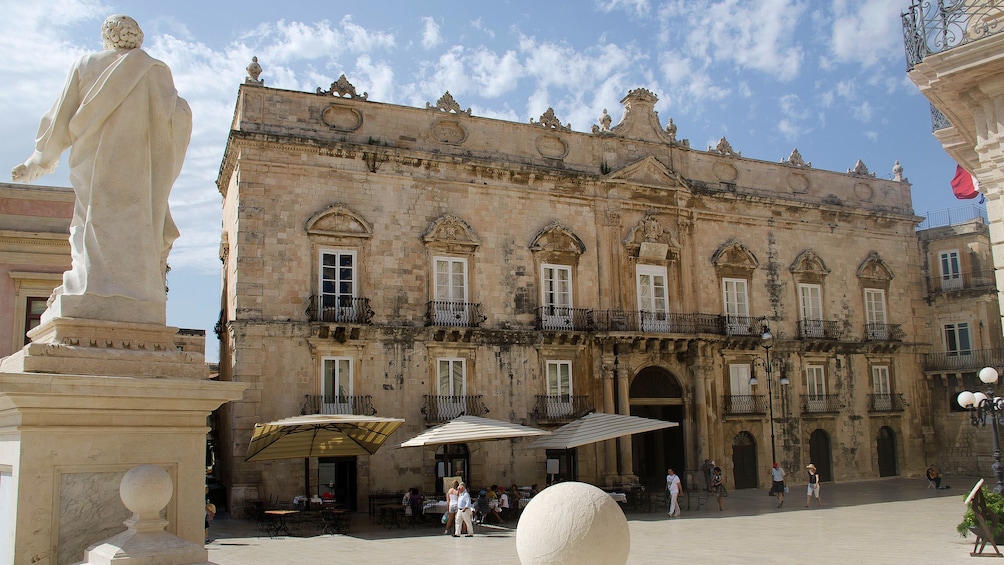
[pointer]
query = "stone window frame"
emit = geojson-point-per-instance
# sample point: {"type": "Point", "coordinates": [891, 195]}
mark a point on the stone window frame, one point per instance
{"type": "Point", "coordinates": [557, 245]}
{"type": "Point", "coordinates": [733, 260]}
{"type": "Point", "coordinates": [809, 269]}
{"type": "Point", "coordinates": [29, 285]}
{"type": "Point", "coordinates": [338, 228]}
{"type": "Point", "coordinates": [352, 371]}
{"type": "Point", "coordinates": [450, 237]}
{"type": "Point", "coordinates": [652, 269]}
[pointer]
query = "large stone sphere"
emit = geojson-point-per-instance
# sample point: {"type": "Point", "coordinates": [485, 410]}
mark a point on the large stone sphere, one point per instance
{"type": "Point", "coordinates": [572, 524]}
{"type": "Point", "coordinates": [146, 489]}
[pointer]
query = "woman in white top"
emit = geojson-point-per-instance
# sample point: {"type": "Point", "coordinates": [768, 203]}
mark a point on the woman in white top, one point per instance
{"type": "Point", "coordinates": [452, 496]}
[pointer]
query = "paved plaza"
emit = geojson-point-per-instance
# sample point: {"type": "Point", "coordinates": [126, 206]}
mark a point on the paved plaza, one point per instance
{"type": "Point", "coordinates": [882, 521]}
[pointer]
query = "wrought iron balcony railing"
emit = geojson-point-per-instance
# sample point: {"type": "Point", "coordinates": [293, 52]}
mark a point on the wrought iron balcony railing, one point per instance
{"type": "Point", "coordinates": [886, 402]}
{"type": "Point", "coordinates": [445, 408]}
{"type": "Point", "coordinates": [657, 322]}
{"type": "Point", "coordinates": [740, 404]}
{"type": "Point", "coordinates": [966, 360]}
{"type": "Point", "coordinates": [454, 314]}
{"type": "Point", "coordinates": [961, 281]}
{"type": "Point", "coordinates": [819, 404]}
{"type": "Point", "coordinates": [818, 329]}
{"type": "Point", "coordinates": [933, 26]}
{"type": "Point", "coordinates": [353, 405]}
{"type": "Point", "coordinates": [340, 309]}
{"type": "Point", "coordinates": [560, 318]}
{"type": "Point", "coordinates": [561, 407]}
{"type": "Point", "coordinates": [884, 332]}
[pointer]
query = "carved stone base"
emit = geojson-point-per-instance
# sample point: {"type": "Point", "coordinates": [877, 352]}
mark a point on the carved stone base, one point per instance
{"type": "Point", "coordinates": [71, 346]}
{"type": "Point", "coordinates": [110, 308]}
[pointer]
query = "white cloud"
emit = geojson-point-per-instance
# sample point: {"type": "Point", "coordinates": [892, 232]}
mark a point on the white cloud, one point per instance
{"type": "Point", "coordinates": [866, 32]}
{"type": "Point", "coordinates": [863, 112]}
{"type": "Point", "coordinates": [495, 74]}
{"type": "Point", "coordinates": [636, 7]}
{"type": "Point", "coordinates": [478, 25]}
{"type": "Point", "coordinates": [430, 33]}
{"type": "Point", "coordinates": [756, 34]}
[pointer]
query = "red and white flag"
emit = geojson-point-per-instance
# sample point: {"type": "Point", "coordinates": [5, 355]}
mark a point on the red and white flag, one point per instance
{"type": "Point", "coordinates": [964, 184]}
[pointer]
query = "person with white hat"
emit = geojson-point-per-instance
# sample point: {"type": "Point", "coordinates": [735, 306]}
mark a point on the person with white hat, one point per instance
{"type": "Point", "coordinates": [813, 489]}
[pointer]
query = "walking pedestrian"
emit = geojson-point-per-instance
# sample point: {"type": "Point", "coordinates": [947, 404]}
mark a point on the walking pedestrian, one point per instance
{"type": "Point", "coordinates": [464, 510]}
{"type": "Point", "coordinates": [777, 488]}
{"type": "Point", "coordinates": [813, 489]}
{"type": "Point", "coordinates": [718, 487]}
{"type": "Point", "coordinates": [451, 497]}
{"type": "Point", "coordinates": [673, 490]}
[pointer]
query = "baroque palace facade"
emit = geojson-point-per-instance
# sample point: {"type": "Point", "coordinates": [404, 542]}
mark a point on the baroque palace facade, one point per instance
{"type": "Point", "coordinates": [424, 263]}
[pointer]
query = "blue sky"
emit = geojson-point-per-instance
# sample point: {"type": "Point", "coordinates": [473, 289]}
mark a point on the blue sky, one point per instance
{"type": "Point", "coordinates": [825, 77]}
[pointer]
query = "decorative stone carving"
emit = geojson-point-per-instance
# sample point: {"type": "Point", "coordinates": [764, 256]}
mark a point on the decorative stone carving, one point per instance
{"type": "Point", "coordinates": [551, 146]}
{"type": "Point", "coordinates": [549, 120]}
{"type": "Point", "coordinates": [875, 269]}
{"type": "Point", "coordinates": [808, 262]}
{"type": "Point", "coordinates": [451, 233]}
{"type": "Point", "coordinates": [798, 183]}
{"type": "Point", "coordinates": [605, 121]}
{"type": "Point", "coordinates": [254, 71]}
{"type": "Point", "coordinates": [726, 172]}
{"type": "Point", "coordinates": [795, 160]}
{"type": "Point", "coordinates": [651, 240]}
{"type": "Point", "coordinates": [342, 118]}
{"type": "Point", "coordinates": [864, 191]}
{"type": "Point", "coordinates": [724, 148]}
{"type": "Point", "coordinates": [897, 172]}
{"type": "Point", "coordinates": [342, 88]}
{"type": "Point", "coordinates": [558, 239]}
{"type": "Point", "coordinates": [671, 130]}
{"type": "Point", "coordinates": [449, 131]}
{"type": "Point", "coordinates": [734, 255]}
{"type": "Point", "coordinates": [860, 170]}
{"type": "Point", "coordinates": [640, 120]}
{"type": "Point", "coordinates": [649, 172]}
{"type": "Point", "coordinates": [339, 221]}
{"type": "Point", "coordinates": [447, 104]}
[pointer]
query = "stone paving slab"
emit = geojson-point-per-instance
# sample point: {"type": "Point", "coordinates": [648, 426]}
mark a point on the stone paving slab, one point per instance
{"type": "Point", "coordinates": [884, 521]}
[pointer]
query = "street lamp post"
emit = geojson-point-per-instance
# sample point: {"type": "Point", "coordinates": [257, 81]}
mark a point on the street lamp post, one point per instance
{"type": "Point", "coordinates": [982, 406]}
{"type": "Point", "coordinates": [767, 341]}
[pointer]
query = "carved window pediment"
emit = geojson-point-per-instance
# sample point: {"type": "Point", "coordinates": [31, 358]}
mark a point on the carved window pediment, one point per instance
{"type": "Point", "coordinates": [735, 257]}
{"type": "Point", "coordinates": [874, 270]}
{"type": "Point", "coordinates": [558, 241]}
{"type": "Point", "coordinates": [809, 267]}
{"type": "Point", "coordinates": [339, 221]}
{"type": "Point", "coordinates": [451, 233]}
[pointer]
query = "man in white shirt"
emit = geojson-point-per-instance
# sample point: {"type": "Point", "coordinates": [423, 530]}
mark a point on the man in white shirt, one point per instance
{"type": "Point", "coordinates": [673, 490]}
{"type": "Point", "coordinates": [464, 510]}
{"type": "Point", "coordinates": [777, 488]}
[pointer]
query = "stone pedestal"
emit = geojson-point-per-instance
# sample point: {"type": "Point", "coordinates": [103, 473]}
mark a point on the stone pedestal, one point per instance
{"type": "Point", "coordinates": [69, 439]}
{"type": "Point", "coordinates": [97, 347]}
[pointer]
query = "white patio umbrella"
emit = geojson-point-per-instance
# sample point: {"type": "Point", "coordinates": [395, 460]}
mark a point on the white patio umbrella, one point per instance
{"type": "Point", "coordinates": [598, 426]}
{"type": "Point", "coordinates": [467, 429]}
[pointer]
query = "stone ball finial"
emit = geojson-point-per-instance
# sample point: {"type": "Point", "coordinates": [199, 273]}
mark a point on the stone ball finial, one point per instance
{"type": "Point", "coordinates": [146, 489]}
{"type": "Point", "coordinates": [570, 524]}
{"type": "Point", "coordinates": [254, 71]}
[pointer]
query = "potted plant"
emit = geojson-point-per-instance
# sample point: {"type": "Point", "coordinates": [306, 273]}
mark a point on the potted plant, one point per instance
{"type": "Point", "coordinates": [995, 503]}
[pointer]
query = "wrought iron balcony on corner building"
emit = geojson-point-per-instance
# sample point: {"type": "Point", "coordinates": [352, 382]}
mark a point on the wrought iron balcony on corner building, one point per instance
{"type": "Point", "coordinates": [935, 26]}
{"type": "Point", "coordinates": [340, 404]}
{"type": "Point", "coordinates": [443, 408]}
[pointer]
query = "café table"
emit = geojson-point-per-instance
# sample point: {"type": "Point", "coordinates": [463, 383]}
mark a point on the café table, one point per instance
{"type": "Point", "coordinates": [279, 521]}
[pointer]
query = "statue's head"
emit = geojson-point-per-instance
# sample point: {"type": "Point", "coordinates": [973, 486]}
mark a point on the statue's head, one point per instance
{"type": "Point", "coordinates": [121, 32]}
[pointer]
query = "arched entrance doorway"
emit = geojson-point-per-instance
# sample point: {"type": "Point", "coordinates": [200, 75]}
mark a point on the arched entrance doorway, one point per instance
{"type": "Point", "coordinates": [744, 466]}
{"type": "Point", "coordinates": [886, 445]}
{"type": "Point", "coordinates": [452, 460]}
{"type": "Point", "coordinates": [655, 393]}
{"type": "Point", "coordinates": [819, 454]}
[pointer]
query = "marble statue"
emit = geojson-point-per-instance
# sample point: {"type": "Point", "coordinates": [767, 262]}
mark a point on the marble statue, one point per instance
{"type": "Point", "coordinates": [129, 131]}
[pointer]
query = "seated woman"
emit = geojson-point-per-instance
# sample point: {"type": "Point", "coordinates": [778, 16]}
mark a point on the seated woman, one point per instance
{"type": "Point", "coordinates": [934, 476]}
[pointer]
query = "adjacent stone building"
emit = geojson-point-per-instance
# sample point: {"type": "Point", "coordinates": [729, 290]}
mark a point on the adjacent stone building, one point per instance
{"type": "Point", "coordinates": [424, 263]}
